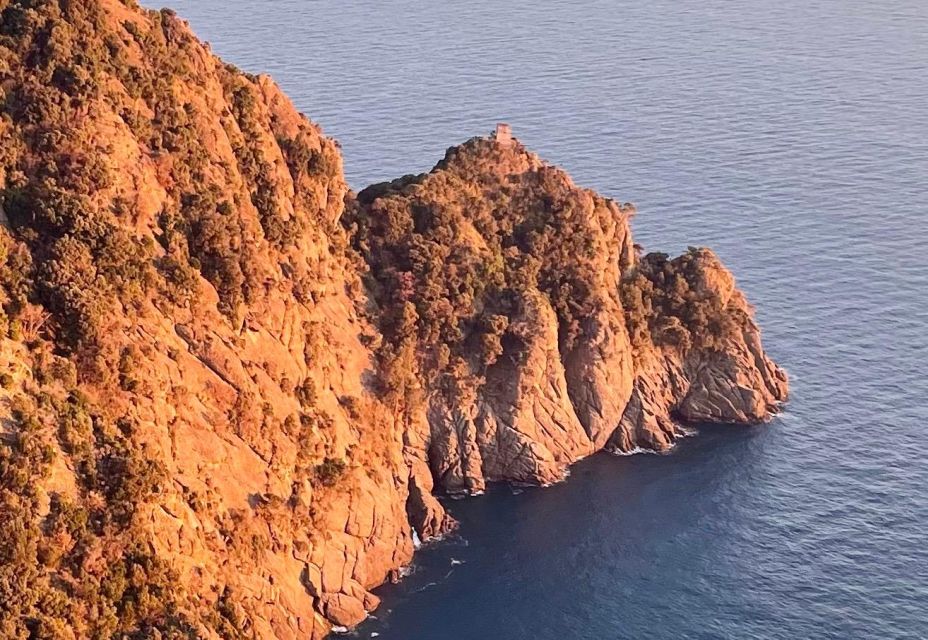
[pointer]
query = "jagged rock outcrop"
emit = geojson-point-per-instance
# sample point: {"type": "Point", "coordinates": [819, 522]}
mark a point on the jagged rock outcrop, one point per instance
{"type": "Point", "coordinates": [729, 380]}
{"type": "Point", "coordinates": [227, 398]}
{"type": "Point", "coordinates": [574, 345]}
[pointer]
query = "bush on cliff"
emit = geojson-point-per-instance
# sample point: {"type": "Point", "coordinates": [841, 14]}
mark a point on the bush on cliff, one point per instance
{"type": "Point", "coordinates": [664, 304]}
{"type": "Point", "coordinates": [329, 471]}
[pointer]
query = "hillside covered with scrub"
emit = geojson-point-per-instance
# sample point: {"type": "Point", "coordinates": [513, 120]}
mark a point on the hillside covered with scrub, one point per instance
{"type": "Point", "coordinates": [230, 389]}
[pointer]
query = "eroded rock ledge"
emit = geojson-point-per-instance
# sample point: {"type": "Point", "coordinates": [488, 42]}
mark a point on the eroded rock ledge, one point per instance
{"type": "Point", "coordinates": [230, 389]}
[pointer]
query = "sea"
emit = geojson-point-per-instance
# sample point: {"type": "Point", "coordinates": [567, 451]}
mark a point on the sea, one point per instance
{"type": "Point", "coordinates": [791, 136]}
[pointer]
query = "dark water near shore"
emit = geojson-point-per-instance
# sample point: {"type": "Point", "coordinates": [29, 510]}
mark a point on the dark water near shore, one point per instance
{"type": "Point", "coordinates": [792, 137]}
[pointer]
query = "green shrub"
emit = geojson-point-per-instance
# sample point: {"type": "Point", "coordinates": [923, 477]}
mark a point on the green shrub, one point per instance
{"type": "Point", "coordinates": [306, 394]}
{"type": "Point", "coordinates": [330, 471]}
{"type": "Point", "coordinates": [352, 405]}
{"type": "Point", "coordinates": [664, 303]}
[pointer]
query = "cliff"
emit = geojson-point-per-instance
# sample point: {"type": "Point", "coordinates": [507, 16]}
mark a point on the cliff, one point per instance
{"type": "Point", "coordinates": [189, 443]}
{"type": "Point", "coordinates": [519, 319]}
{"type": "Point", "coordinates": [228, 386]}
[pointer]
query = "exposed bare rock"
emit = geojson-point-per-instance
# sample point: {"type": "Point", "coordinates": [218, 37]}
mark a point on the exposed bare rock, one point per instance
{"type": "Point", "coordinates": [600, 375]}
{"type": "Point", "coordinates": [646, 422]}
{"type": "Point", "coordinates": [528, 430]}
{"type": "Point", "coordinates": [426, 515]}
{"type": "Point", "coordinates": [574, 345]}
{"type": "Point", "coordinates": [209, 426]}
{"type": "Point", "coordinates": [211, 408]}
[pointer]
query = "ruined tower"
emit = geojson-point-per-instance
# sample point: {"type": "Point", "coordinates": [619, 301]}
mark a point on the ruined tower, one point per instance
{"type": "Point", "coordinates": [503, 134]}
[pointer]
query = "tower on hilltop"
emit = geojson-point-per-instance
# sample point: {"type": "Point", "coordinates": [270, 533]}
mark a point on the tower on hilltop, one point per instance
{"type": "Point", "coordinates": [503, 134]}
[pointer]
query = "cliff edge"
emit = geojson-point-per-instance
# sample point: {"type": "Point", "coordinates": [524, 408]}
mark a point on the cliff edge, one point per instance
{"type": "Point", "coordinates": [229, 387]}
{"type": "Point", "coordinates": [521, 322]}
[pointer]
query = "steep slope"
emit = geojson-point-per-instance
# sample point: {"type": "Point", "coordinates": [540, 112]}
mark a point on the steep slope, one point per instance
{"type": "Point", "coordinates": [225, 398]}
{"type": "Point", "coordinates": [517, 300]}
{"type": "Point", "coordinates": [189, 445]}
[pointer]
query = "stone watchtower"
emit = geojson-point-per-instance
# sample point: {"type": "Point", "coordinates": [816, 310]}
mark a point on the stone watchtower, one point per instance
{"type": "Point", "coordinates": [503, 134]}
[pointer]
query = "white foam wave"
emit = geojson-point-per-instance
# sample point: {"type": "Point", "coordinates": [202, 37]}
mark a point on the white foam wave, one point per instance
{"type": "Point", "coordinates": [632, 452]}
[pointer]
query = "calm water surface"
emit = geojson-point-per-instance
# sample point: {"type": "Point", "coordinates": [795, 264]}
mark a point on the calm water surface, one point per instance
{"type": "Point", "coordinates": [789, 135]}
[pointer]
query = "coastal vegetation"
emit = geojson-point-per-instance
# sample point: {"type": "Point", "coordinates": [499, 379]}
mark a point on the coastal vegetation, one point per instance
{"type": "Point", "coordinates": [229, 386]}
{"type": "Point", "coordinates": [665, 304]}
{"type": "Point", "coordinates": [453, 254]}
{"type": "Point", "coordinates": [103, 112]}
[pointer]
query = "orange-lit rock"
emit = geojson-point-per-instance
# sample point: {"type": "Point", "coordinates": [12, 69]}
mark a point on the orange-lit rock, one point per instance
{"type": "Point", "coordinates": [198, 388]}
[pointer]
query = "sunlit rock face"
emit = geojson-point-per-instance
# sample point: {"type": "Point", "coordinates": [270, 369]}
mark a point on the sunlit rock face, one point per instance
{"type": "Point", "coordinates": [230, 388]}
{"type": "Point", "coordinates": [515, 305]}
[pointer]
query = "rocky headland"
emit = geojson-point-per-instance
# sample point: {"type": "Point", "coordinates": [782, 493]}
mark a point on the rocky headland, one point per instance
{"type": "Point", "coordinates": [231, 388]}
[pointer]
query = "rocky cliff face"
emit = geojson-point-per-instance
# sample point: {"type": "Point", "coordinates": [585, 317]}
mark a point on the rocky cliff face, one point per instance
{"type": "Point", "coordinates": [538, 335]}
{"type": "Point", "coordinates": [227, 398]}
{"type": "Point", "coordinates": [181, 332]}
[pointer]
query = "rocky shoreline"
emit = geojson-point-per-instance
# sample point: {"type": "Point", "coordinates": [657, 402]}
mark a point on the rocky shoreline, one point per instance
{"type": "Point", "coordinates": [232, 388]}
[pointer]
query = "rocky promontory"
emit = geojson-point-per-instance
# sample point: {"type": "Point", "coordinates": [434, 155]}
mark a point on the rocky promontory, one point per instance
{"type": "Point", "coordinates": [519, 318]}
{"type": "Point", "coordinates": [230, 389]}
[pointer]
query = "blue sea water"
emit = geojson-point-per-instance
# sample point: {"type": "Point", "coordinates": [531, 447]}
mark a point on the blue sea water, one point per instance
{"type": "Point", "coordinates": [792, 137]}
